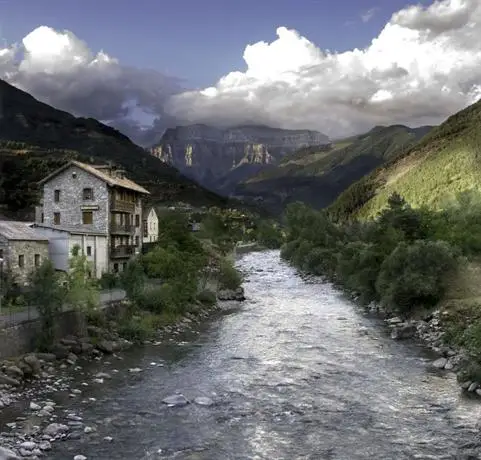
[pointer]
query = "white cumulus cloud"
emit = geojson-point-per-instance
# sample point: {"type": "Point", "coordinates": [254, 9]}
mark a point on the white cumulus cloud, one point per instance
{"type": "Point", "coordinates": [60, 69]}
{"type": "Point", "coordinates": [424, 65]}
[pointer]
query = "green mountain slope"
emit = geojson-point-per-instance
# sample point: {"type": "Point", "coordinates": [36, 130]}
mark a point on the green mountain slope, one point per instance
{"type": "Point", "coordinates": [36, 138]}
{"type": "Point", "coordinates": [317, 175]}
{"type": "Point", "coordinates": [445, 162]}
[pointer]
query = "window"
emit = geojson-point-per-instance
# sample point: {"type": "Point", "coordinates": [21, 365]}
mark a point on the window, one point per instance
{"type": "Point", "coordinates": [137, 220]}
{"type": "Point", "coordinates": [56, 196]}
{"type": "Point", "coordinates": [56, 218]}
{"type": "Point", "coordinates": [89, 250]}
{"type": "Point", "coordinates": [87, 217]}
{"type": "Point", "coordinates": [1, 253]}
{"type": "Point", "coordinates": [88, 194]}
{"type": "Point", "coordinates": [137, 241]}
{"type": "Point", "coordinates": [21, 261]}
{"type": "Point", "coordinates": [37, 260]}
{"type": "Point", "coordinates": [124, 266]}
{"type": "Point", "coordinates": [116, 268]}
{"type": "Point", "coordinates": [42, 218]}
{"type": "Point", "coordinates": [146, 229]}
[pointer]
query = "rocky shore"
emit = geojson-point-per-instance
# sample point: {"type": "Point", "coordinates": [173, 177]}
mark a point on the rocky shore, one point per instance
{"type": "Point", "coordinates": [30, 380]}
{"type": "Point", "coordinates": [429, 332]}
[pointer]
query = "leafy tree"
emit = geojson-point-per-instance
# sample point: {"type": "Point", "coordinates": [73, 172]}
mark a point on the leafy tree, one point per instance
{"type": "Point", "coordinates": [48, 295]}
{"type": "Point", "coordinates": [133, 279]}
{"type": "Point", "coordinates": [82, 292]}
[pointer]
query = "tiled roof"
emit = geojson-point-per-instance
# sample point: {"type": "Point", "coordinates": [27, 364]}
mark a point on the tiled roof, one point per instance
{"type": "Point", "coordinates": [112, 181]}
{"type": "Point", "coordinates": [73, 230]}
{"type": "Point", "coordinates": [14, 230]}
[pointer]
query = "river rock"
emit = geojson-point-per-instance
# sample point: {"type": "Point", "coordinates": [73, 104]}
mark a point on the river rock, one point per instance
{"type": "Point", "coordinates": [439, 363]}
{"type": "Point", "coordinates": [71, 359]}
{"type": "Point", "coordinates": [5, 379]}
{"type": "Point", "coordinates": [29, 445]}
{"type": "Point", "coordinates": [176, 400]}
{"type": "Point", "coordinates": [54, 429]}
{"type": "Point", "coordinates": [7, 454]}
{"type": "Point", "coordinates": [15, 372]}
{"type": "Point", "coordinates": [203, 401]}
{"type": "Point", "coordinates": [80, 457]}
{"type": "Point", "coordinates": [102, 375]}
{"type": "Point", "coordinates": [45, 445]}
{"type": "Point", "coordinates": [60, 351]}
{"type": "Point", "coordinates": [106, 346]}
{"type": "Point", "coordinates": [46, 356]}
{"type": "Point", "coordinates": [34, 363]}
{"type": "Point", "coordinates": [473, 387]}
{"type": "Point", "coordinates": [403, 331]}
{"type": "Point", "coordinates": [34, 406]}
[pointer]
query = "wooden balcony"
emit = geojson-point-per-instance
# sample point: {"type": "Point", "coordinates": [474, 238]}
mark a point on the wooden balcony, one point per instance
{"type": "Point", "coordinates": [122, 229]}
{"type": "Point", "coordinates": [117, 205]}
{"type": "Point", "coordinates": [124, 251]}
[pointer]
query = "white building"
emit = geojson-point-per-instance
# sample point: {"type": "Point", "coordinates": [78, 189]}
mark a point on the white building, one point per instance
{"type": "Point", "coordinates": [151, 226]}
{"type": "Point", "coordinates": [62, 241]}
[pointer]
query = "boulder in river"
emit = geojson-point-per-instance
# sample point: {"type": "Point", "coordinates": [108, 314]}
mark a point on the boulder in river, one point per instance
{"type": "Point", "coordinates": [403, 331]}
{"type": "Point", "coordinates": [54, 429]}
{"type": "Point", "coordinates": [176, 400]}
{"type": "Point", "coordinates": [439, 363]}
{"type": "Point", "coordinates": [5, 379]}
{"type": "Point", "coordinates": [203, 401]}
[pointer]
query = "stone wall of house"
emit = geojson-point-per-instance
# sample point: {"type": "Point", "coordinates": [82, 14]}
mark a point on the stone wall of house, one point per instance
{"type": "Point", "coordinates": [27, 249]}
{"type": "Point", "coordinates": [71, 184]}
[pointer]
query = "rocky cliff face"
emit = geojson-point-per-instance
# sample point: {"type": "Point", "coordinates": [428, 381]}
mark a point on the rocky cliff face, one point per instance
{"type": "Point", "coordinates": [221, 158]}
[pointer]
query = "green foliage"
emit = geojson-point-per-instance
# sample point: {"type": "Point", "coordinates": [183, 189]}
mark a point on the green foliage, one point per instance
{"type": "Point", "coordinates": [443, 164]}
{"type": "Point", "coordinates": [110, 281]}
{"type": "Point", "coordinates": [228, 277]}
{"type": "Point", "coordinates": [48, 295]}
{"type": "Point", "coordinates": [82, 292]}
{"type": "Point", "coordinates": [413, 274]}
{"type": "Point", "coordinates": [398, 258]}
{"type": "Point", "coordinates": [133, 279]}
{"type": "Point", "coordinates": [269, 234]}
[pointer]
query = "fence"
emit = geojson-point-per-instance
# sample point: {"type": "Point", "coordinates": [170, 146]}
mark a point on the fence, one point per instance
{"type": "Point", "coordinates": [12, 316]}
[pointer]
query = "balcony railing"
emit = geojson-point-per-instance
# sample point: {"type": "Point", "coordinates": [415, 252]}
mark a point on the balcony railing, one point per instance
{"type": "Point", "coordinates": [117, 205]}
{"type": "Point", "coordinates": [122, 251]}
{"type": "Point", "coordinates": [122, 228]}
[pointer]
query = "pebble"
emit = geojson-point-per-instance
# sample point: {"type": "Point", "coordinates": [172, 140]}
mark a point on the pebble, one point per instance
{"type": "Point", "coordinates": [135, 370]}
{"type": "Point", "coordinates": [80, 457]}
{"type": "Point", "coordinates": [34, 406]}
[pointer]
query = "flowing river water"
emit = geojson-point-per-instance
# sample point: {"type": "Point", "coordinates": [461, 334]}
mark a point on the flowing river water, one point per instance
{"type": "Point", "coordinates": [295, 372]}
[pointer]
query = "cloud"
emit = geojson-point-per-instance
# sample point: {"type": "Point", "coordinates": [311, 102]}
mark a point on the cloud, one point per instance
{"type": "Point", "coordinates": [60, 69]}
{"type": "Point", "coordinates": [368, 15]}
{"type": "Point", "coordinates": [424, 65]}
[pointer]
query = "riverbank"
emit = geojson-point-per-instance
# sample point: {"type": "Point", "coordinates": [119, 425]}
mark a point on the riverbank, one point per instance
{"type": "Point", "coordinates": [25, 380]}
{"type": "Point", "coordinates": [447, 328]}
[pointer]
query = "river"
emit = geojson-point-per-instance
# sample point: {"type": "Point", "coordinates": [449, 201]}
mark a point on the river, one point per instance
{"type": "Point", "coordinates": [296, 372]}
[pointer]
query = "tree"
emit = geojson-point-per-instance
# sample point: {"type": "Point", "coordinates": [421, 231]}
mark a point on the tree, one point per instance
{"type": "Point", "coordinates": [133, 279]}
{"type": "Point", "coordinates": [48, 295]}
{"type": "Point", "coordinates": [82, 293]}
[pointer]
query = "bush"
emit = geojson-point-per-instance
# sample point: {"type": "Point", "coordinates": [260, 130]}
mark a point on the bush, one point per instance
{"type": "Point", "coordinates": [413, 275]}
{"type": "Point", "coordinates": [207, 297]}
{"type": "Point", "coordinates": [228, 276]}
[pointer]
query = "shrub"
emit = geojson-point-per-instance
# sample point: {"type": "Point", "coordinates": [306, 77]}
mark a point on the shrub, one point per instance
{"type": "Point", "coordinates": [228, 276]}
{"type": "Point", "coordinates": [412, 275]}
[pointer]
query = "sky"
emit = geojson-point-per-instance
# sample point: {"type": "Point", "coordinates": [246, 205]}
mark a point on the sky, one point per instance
{"type": "Point", "coordinates": [339, 67]}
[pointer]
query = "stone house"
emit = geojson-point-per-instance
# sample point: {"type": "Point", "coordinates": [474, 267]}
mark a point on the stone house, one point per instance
{"type": "Point", "coordinates": [22, 250]}
{"type": "Point", "coordinates": [150, 226]}
{"type": "Point", "coordinates": [96, 207]}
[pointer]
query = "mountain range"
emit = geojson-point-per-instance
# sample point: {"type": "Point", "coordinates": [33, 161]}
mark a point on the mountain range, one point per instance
{"type": "Point", "coordinates": [317, 175]}
{"type": "Point", "coordinates": [219, 159]}
{"type": "Point", "coordinates": [205, 165]}
{"type": "Point", "coordinates": [35, 138]}
{"type": "Point", "coordinates": [430, 173]}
